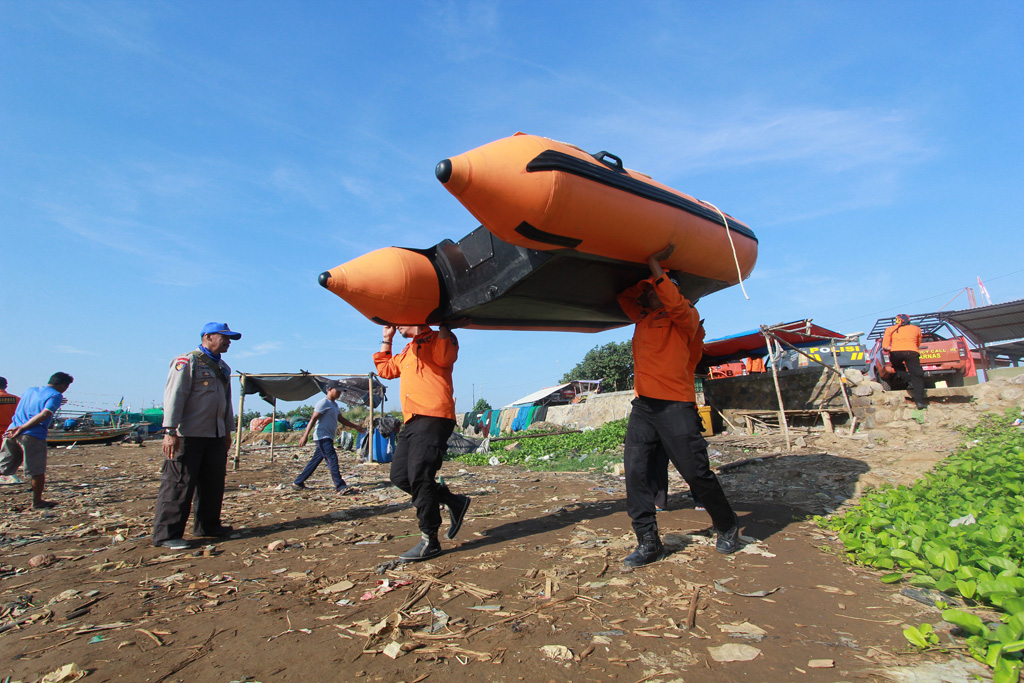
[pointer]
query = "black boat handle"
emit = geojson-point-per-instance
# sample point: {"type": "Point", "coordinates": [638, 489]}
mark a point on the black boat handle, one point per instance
{"type": "Point", "coordinates": [603, 157]}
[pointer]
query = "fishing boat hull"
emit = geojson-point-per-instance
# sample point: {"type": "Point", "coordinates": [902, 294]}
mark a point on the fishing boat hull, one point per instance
{"type": "Point", "coordinates": [86, 438]}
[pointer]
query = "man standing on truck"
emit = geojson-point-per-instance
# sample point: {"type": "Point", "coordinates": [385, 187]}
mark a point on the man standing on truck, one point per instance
{"type": "Point", "coordinates": [902, 342]}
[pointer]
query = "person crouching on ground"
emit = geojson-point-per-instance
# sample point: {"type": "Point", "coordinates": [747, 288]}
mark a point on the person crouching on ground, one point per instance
{"type": "Point", "coordinates": [428, 409]}
{"type": "Point", "coordinates": [198, 422]}
{"type": "Point", "coordinates": [325, 419]}
{"type": "Point", "coordinates": [664, 412]}
{"type": "Point", "coordinates": [25, 441]}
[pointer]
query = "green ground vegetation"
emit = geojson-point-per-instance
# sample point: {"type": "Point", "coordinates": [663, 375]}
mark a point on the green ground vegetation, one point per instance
{"type": "Point", "coordinates": [581, 451]}
{"type": "Point", "coordinates": [958, 530]}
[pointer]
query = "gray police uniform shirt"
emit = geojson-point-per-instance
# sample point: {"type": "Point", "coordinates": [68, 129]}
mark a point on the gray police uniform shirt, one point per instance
{"type": "Point", "coordinates": [327, 425]}
{"type": "Point", "coordinates": [196, 401]}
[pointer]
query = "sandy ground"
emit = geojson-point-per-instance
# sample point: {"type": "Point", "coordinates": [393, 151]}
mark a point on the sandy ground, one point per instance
{"type": "Point", "coordinates": [533, 588]}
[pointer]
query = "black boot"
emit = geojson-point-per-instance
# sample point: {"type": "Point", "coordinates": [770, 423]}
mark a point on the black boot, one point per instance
{"type": "Point", "coordinates": [456, 514]}
{"type": "Point", "coordinates": [649, 549]}
{"type": "Point", "coordinates": [729, 541]}
{"type": "Point", "coordinates": [427, 548]}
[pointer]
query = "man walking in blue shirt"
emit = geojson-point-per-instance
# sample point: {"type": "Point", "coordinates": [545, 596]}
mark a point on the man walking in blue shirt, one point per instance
{"type": "Point", "coordinates": [326, 416]}
{"type": "Point", "coordinates": [25, 441]}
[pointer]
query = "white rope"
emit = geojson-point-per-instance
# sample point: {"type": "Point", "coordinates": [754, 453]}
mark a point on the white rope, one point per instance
{"type": "Point", "coordinates": [735, 258]}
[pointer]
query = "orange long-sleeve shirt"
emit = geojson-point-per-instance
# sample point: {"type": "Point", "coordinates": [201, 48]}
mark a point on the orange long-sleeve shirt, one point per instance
{"type": "Point", "coordinates": [662, 366]}
{"type": "Point", "coordinates": [425, 369]}
{"type": "Point", "coordinates": [902, 338]}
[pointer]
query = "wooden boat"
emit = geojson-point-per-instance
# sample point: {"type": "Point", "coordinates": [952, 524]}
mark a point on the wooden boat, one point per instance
{"type": "Point", "coordinates": [561, 237]}
{"type": "Point", "coordinates": [86, 437]}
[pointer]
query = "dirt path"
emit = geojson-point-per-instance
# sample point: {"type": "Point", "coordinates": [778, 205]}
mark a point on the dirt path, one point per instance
{"type": "Point", "coordinates": [532, 590]}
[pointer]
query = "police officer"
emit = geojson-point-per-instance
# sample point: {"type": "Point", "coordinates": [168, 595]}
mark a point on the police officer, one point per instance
{"type": "Point", "coordinates": [198, 422]}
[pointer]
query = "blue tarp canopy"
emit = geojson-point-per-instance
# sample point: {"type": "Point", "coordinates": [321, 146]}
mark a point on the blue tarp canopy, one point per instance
{"type": "Point", "coordinates": [752, 344]}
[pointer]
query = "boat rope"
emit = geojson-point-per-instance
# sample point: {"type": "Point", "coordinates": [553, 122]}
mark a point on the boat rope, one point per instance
{"type": "Point", "coordinates": [735, 258]}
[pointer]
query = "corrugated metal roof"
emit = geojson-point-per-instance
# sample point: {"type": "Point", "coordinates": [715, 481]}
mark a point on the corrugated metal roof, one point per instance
{"type": "Point", "coordinates": [537, 395]}
{"type": "Point", "coordinates": [1012, 349]}
{"type": "Point", "coordinates": [990, 324]}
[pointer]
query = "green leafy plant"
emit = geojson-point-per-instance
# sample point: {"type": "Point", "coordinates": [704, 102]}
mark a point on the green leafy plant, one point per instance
{"type": "Point", "coordinates": [590, 449]}
{"type": "Point", "coordinates": [957, 531]}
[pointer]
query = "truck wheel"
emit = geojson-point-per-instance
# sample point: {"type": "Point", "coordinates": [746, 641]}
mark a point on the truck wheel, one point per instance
{"type": "Point", "coordinates": [955, 381]}
{"type": "Point", "coordinates": [885, 384]}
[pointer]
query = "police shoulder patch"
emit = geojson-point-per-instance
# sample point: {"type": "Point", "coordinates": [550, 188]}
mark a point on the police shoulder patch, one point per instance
{"type": "Point", "coordinates": [180, 362]}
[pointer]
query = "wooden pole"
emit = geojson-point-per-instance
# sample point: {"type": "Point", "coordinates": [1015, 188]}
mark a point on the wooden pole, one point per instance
{"type": "Point", "coordinates": [273, 428]}
{"type": "Point", "coordinates": [369, 430]}
{"type": "Point", "coordinates": [774, 352]}
{"type": "Point", "coordinates": [842, 386]}
{"type": "Point", "coordinates": [238, 432]}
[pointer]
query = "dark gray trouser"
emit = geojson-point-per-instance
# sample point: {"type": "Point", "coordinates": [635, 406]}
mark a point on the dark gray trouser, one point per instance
{"type": "Point", "coordinates": [419, 453]}
{"type": "Point", "coordinates": [674, 426]}
{"type": "Point", "coordinates": [907, 365]}
{"type": "Point", "coordinates": [197, 470]}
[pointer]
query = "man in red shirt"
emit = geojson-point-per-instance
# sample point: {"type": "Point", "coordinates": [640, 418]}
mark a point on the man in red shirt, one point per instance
{"type": "Point", "coordinates": [428, 411]}
{"type": "Point", "coordinates": [664, 412]}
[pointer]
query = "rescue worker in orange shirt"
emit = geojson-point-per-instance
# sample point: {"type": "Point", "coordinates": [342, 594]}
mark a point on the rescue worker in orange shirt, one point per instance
{"type": "Point", "coordinates": [664, 412]}
{"type": "Point", "coordinates": [428, 410]}
{"type": "Point", "coordinates": [902, 341]}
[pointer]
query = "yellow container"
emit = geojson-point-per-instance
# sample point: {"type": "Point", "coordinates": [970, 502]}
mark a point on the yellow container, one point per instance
{"type": "Point", "coordinates": [705, 420]}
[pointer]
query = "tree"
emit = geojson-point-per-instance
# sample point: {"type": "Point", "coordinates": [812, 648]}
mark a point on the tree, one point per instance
{"type": "Point", "coordinates": [481, 405]}
{"type": "Point", "coordinates": [248, 416]}
{"type": "Point", "coordinates": [612, 363]}
{"type": "Point", "coordinates": [302, 411]}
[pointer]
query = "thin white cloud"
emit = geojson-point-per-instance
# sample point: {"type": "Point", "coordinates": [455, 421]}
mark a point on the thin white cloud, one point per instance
{"type": "Point", "coordinates": [62, 348]}
{"type": "Point", "coordinates": [261, 349]}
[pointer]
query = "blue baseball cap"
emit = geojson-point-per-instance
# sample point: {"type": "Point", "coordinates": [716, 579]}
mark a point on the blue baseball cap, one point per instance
{"type": "Point", "coordinates": [220, 328]}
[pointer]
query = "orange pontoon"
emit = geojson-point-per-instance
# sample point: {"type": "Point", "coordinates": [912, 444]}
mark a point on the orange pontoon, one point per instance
{"type": "Point", "coordinates": [563, 233]}
{"type": "Point", "coordinates": [542, 194]}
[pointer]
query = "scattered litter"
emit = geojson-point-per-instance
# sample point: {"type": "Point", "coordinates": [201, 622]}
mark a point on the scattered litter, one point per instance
{"type": "Point", "coordinates": [44, 560]}
{"type": "Point", "coordinates": [720, 585]}
{"type": "Point", "coordinates": [559, 652]}
{"type": "Point", "coordinates": [393, 649]}
{"type": "Point", "coordinates": [733, 652]}
{"type": "Point", "coordinates": [337, 587]}
{"type": "Point", "coordinates": [964, 521]}
{"type": "Point", "coordinates": [65, 674]}
{"type": "Point", "coordinates": [821, 664]}
{"type": "Point", "coordinates": [276, 545]}
{"type": "Point", "coordinates": [744, 630]}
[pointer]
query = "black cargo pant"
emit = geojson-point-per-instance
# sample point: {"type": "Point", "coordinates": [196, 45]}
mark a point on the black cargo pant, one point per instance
{"type": "Point", "coordinates": [907, 365]}
{"type": "Point", "coordinates": [198, 470]}
{"type": "Point", "coordinates": [419, 453]}
{"type": "Point", "coordinates": [674, 426]}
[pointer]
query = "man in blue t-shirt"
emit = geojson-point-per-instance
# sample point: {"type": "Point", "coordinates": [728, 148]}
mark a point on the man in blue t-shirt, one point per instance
{"type": "Point", "coordinates": [326, 416]}
{"type": "Point", "coordinates": [25, 441]}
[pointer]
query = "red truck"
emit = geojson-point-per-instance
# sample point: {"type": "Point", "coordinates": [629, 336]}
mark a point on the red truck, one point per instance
{"type": "Point", "coordinates": [943, 358]}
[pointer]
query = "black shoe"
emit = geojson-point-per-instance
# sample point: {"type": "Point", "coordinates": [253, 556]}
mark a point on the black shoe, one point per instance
{"type": "Point", "coordinates": [222, 530]}
{"type": "Point", "coordinates": [298, 487]}
{"type": "Point", "coordinates": [649, 549]}
{"type": "Point", "coordinates": [729, 541]}
{"type": "Point", "coordinates": [457, 513]}
{"type": "Point", "coordinates": [173, 544]}
{"type": "Point", "coordinates": [922, 406]}
{"type": "Point", "coordinates": [427, 548]}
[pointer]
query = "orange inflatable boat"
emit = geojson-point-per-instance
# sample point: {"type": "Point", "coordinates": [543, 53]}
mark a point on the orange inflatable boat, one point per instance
{"type": "Point", "coordinates": [563, 233]}
{"type": "Point", "coordinates": [542, 194]}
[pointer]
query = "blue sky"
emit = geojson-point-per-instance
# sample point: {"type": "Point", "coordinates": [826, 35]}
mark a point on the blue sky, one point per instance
{"type": "Point", "coordinates": [164, 164]}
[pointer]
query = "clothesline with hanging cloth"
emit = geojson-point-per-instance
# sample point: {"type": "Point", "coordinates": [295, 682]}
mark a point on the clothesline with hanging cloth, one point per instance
{"type": "Point", "coordinates": [298, 386]}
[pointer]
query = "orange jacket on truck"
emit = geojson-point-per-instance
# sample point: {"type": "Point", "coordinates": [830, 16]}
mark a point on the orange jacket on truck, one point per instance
{"type": "Point", "coordinates": [425, 369]}
{"type": "Point", "coordinates": [661, 342]}
{"type": "Point", "coordinates": [902, 338]}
